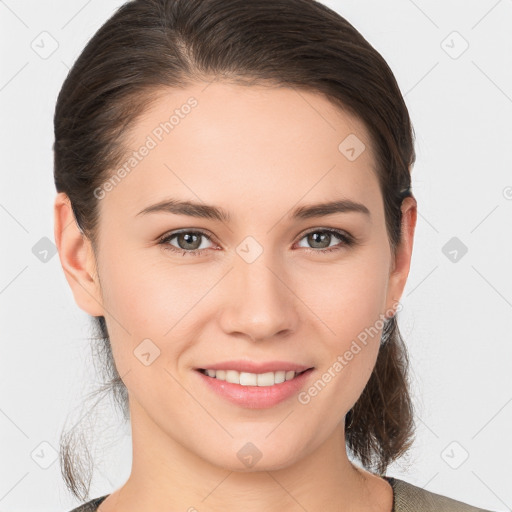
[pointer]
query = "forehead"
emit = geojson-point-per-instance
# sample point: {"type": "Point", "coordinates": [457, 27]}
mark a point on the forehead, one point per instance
{"type": "Point", "coordinates": [245, 145]}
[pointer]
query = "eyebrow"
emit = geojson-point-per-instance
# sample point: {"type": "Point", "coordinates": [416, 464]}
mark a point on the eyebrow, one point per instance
{"type": "Point", "coordinates": [205, 211]}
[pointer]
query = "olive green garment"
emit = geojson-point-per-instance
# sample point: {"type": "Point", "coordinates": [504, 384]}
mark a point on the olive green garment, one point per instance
{"type": "Point", "coordinates": [406, 498]}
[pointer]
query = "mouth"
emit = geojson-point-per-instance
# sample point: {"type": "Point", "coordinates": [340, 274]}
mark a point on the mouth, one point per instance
{"type": "Point", "coordinates": [255, 390]}
{"type": "Point", "coordinates": [252, 379]}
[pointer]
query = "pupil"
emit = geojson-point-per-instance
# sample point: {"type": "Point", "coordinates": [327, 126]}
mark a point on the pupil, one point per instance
{"type": "Point", "coordinates": [316, 236]}
{"type": "Point", "coordinates": [187, 237]}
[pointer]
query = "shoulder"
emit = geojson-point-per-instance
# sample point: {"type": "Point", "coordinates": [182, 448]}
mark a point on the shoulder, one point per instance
{"type": "Point", "coordinates": [90, 506]}
{"type": "Point", "coordinates": [410, 498]}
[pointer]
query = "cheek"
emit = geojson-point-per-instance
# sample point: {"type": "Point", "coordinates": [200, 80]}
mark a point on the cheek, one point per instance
{"type": "Point", "coordinates": [350, 296]}
{"type": "Point", "coordinates": [148, 298]}
{"type": "Point", "coordinates": [147, 307]}
{"type": "Point", "coordinates": [349, 300]}
{"type": "Point", "coordinates": [144, 293]}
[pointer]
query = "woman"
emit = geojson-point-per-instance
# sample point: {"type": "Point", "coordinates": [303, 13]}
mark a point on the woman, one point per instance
{"type": "Point", "coordinates": [235, 211]}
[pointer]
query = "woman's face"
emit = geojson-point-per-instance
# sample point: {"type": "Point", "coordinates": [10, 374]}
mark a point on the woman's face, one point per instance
{"type": "Point", "coordinates": [262, 288]}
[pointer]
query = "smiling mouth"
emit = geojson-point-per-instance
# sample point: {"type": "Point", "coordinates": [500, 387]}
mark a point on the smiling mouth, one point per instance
{"type": "Point", "coordinates": [252, 379]}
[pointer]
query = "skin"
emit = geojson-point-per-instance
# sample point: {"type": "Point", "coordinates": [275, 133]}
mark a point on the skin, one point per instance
{"type": "Point", "coordinates": [258, 153]}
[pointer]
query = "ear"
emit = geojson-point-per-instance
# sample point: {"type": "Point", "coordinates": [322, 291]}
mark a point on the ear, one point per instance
{"type": "Point", "coordinates": [77, 258]}
{"type": "Point", "coordinates": [400, 265]}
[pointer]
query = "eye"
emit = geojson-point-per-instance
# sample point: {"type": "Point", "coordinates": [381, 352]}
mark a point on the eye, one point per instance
{"type": "Point", "coordinates": [322, 237]}
{"type": "Point", "coordinates": [189, 242]}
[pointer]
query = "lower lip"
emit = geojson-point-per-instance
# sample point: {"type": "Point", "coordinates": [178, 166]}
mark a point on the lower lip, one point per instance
{"type": "Point", "coordinates": [256, 397]}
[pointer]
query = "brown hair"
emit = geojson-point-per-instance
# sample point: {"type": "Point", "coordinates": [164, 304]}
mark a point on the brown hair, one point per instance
{"type": "Point", "coordinates": [148, 46]}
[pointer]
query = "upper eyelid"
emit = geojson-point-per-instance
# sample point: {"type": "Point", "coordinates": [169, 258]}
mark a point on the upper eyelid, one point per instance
{"type": "Point", "coordinates": [201, 232]}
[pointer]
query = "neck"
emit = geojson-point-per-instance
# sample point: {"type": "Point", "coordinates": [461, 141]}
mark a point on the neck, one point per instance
{"type": "Point", "coordinates": [168, 476]}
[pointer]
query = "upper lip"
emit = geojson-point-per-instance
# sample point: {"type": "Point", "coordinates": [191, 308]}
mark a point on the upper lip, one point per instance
{"type": "Point", "coordinates": [256, 367]}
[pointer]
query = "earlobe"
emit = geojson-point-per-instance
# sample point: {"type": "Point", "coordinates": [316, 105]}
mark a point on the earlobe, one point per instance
{"type": "Point", "coordinates": [77, 258]}
{"type": "Point", "coordinates": [402, 261]}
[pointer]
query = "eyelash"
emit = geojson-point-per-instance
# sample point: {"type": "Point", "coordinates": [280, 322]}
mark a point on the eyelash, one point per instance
{"type": "Point", "coordinates": [348, 241]}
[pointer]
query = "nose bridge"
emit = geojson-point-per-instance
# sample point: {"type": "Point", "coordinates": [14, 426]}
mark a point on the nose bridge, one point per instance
{"type": "Point", "coordinates": [260, 304]}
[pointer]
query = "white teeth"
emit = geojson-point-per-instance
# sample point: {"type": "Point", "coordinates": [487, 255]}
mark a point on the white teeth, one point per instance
{"type": "Point", "coordinates": [252, 379]}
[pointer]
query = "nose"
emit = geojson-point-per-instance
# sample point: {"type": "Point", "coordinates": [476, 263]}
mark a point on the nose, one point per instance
{"type": "Point", "coordinates": [259, 301]}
